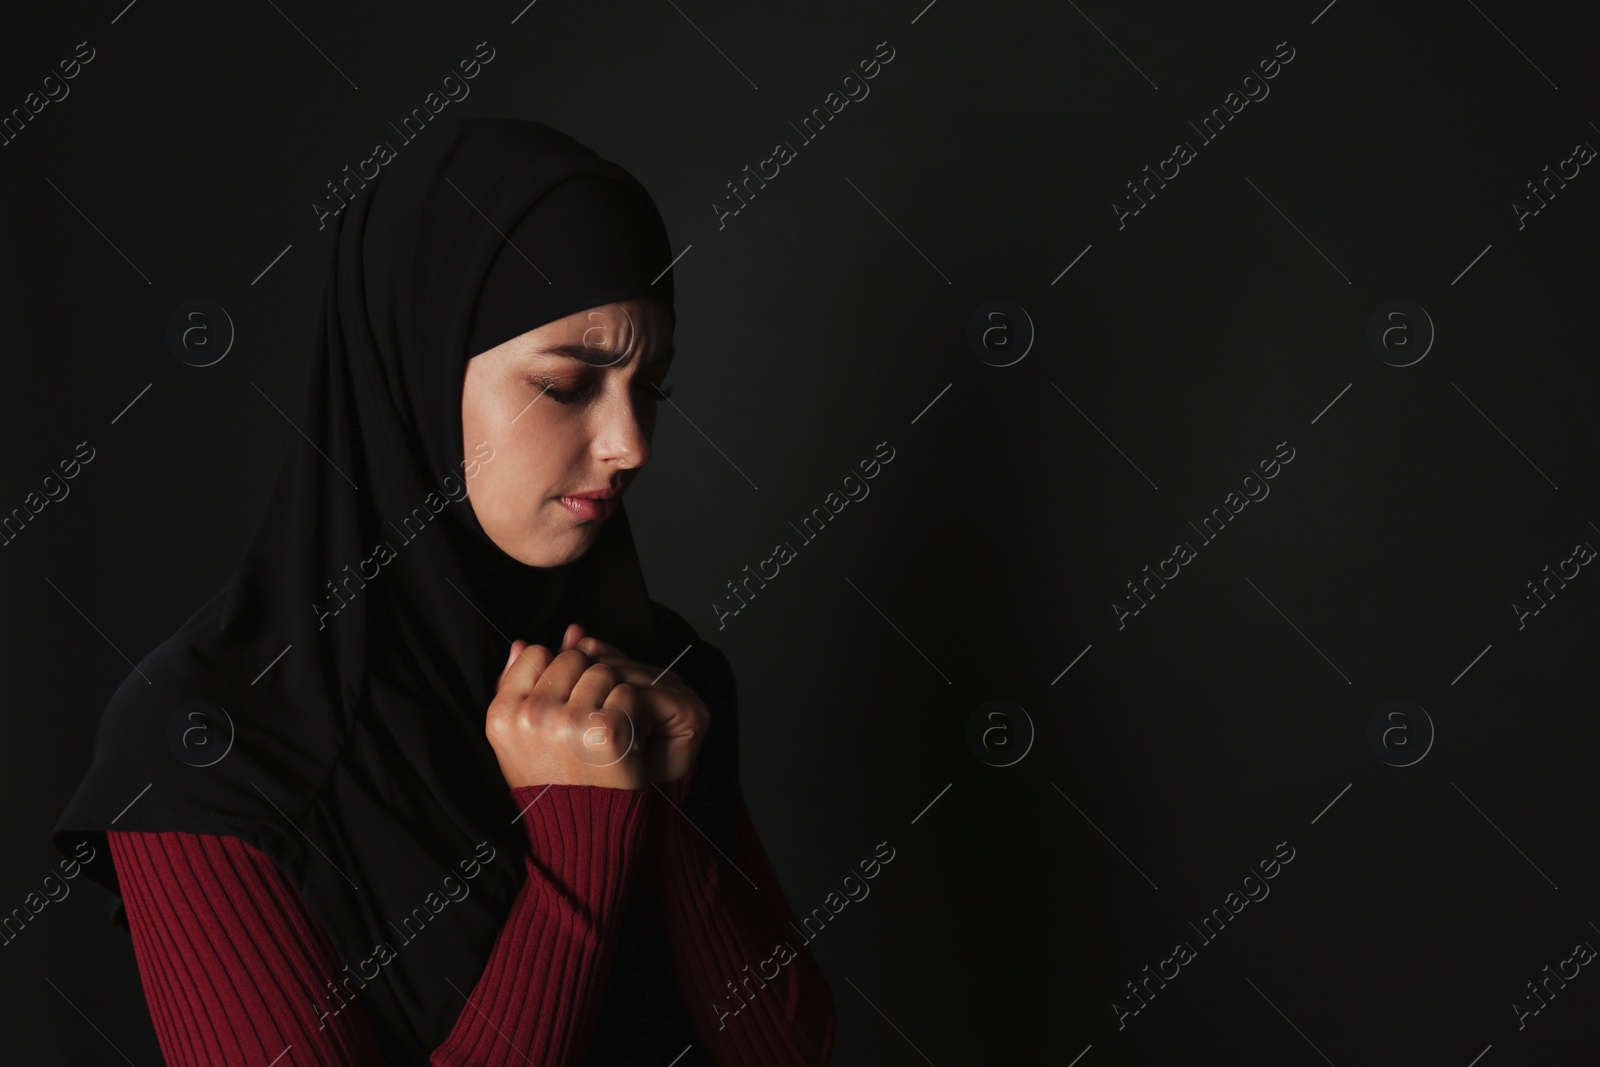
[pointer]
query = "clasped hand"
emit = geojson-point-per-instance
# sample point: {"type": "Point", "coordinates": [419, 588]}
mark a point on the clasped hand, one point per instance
{"type": "Point", "coordinates": [590, 715]}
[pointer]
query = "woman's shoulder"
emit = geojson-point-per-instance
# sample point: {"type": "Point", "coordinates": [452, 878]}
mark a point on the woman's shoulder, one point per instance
{"type": "Point", "coordinates": [676, 632]}
{"type": "Point", "coordinates": [668, 620]}
{"type": "Point", "coordinates": [712, 803]}
{"type": "Point", "coordinates": [700, 663]}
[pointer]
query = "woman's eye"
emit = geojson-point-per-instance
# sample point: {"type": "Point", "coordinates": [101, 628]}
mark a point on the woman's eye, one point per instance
{"type": "Point", "coordinates": [584, 392]}
{"type": "Point", "coordinates": [562, 396]}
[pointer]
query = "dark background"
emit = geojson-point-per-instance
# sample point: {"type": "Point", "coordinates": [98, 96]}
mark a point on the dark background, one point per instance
{"type": "Point", "coordinates": [1175, 354]}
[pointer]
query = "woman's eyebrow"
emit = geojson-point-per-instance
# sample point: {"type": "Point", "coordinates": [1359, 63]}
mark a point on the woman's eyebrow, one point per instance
{"type": "Point", "coordinates": [595, 357]}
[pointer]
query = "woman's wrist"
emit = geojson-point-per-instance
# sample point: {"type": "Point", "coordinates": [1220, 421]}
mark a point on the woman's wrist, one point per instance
{"type": "Point", "coordinates": [670, 825]}
{"type": "Point", "coordinates": [526, 797]}
{"type": "Point", "coordinates": [677, 790]}
{"type": "Point", "coordinates": [579, 832]}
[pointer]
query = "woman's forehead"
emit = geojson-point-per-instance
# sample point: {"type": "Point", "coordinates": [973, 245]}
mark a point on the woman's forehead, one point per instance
{"type": "Point", "coordinates": [595, 356]}
{"type": "Point", "coordinates": [608, 336]}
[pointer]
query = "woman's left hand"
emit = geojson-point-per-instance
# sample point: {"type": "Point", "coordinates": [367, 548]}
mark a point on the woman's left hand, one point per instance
{"type": "Point", "coordinates": [680, 718]}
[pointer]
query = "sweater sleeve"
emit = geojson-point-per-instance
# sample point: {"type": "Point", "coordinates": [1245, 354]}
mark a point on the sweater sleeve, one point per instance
{"type": "Point", "coordinates": [230, 957]}
{"type": "Point", "coordinates": [541, 1006]}
{"type": "Point", "coordinates": [755, 995]}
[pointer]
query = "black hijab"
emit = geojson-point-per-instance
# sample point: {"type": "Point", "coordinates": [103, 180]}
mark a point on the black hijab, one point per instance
{"type": "Point", "coordinates": [327, 706]}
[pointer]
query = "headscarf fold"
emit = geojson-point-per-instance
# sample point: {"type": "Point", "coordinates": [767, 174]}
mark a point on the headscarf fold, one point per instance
{"type": "Point", "coordinates": [328, 705]}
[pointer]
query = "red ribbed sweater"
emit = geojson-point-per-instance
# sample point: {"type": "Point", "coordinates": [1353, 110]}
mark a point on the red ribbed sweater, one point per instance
{"type": "Point", "coordinates": [226, 947]}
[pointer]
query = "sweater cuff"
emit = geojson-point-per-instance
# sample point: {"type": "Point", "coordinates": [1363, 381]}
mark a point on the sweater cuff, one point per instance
{"type": "Point", "coordinates": [677, 791]}
{"type": "Point", "coordinates": [584, 837]}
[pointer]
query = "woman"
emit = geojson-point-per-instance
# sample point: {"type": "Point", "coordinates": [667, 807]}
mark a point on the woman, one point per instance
{"type": "Point", "coordinates": [415, 787]}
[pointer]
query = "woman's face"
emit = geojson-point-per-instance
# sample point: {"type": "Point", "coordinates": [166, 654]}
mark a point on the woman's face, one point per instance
{"type": "Point", "coordinates": [569, 408]}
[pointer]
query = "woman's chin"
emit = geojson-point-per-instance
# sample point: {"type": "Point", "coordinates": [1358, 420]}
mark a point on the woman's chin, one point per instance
{"type": "Point", "coordinates": [560, 549]}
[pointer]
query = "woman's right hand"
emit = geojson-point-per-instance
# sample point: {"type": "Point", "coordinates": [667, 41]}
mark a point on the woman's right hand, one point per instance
{"type": "Point", "coordinates": [565, 720]}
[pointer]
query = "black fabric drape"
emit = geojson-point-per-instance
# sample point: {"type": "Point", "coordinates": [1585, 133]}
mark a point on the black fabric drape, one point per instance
{"type": "Point", "coordinates": [327, 706]}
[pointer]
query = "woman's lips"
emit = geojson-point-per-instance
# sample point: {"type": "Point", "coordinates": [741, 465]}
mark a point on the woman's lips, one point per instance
{"type": "Point", "coordinates": [589, 507]}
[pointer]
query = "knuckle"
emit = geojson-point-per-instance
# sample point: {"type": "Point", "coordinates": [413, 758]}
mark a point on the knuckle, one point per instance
{"type": "Point", "coordinates": [500, 710]}
{"type": "Point", "coordinates": [579, 720]}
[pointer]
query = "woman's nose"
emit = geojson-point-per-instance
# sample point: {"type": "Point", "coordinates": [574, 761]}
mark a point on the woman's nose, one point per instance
{"type": "Point", "coordinates": [623, 438]}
